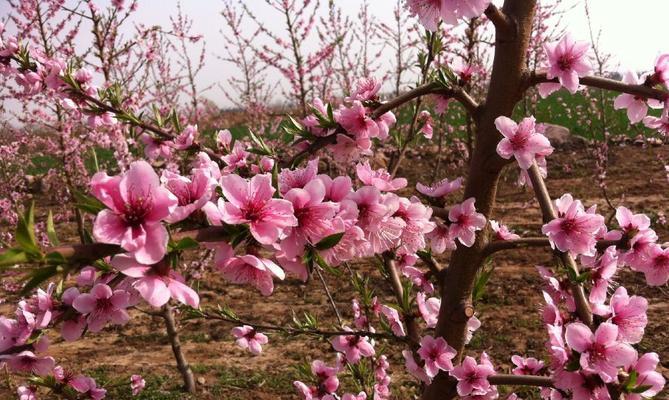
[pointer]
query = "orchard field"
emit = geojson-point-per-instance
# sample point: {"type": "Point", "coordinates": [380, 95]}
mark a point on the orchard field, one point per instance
{"type": "Point", "coordinates": [458, 200]}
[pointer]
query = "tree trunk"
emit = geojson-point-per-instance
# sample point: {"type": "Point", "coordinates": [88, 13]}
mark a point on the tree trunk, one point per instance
{"type": "Point", "coordinates": [504, 91]}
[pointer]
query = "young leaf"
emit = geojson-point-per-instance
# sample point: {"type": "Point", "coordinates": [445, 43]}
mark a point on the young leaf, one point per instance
{"type": "Point", "coordinates": [39, 276]}
{"type": "Point", "coordinates": [183, 244]}
{"type": "Point", "coordinates": [329, 242]}
{"type": "Point", "coordinates": [87, 203]}
{"type": "Point", "coordinates": [51, 230]}
{"type": "Point", "coordinates": [12, 257]}
{"type": "Point", "coordinates": [25, 232]}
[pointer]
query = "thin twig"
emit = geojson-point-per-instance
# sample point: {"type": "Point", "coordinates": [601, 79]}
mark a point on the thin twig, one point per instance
{"type": "Point", "coordinates": [327, 292]}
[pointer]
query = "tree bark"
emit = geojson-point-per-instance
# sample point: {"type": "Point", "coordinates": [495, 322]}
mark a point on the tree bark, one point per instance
{"type": "Point", "coordinates": [173, 336]}
{"type": "Point", "coordinates": [504, 91]}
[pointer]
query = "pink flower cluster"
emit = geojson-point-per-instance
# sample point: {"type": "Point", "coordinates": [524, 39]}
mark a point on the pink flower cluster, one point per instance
{"type": "Point", "coordinates": [430, 12]}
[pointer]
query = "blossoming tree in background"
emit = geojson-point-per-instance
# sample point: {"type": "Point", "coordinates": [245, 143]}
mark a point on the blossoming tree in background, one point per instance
{"type": "Point", "coordinates": [257, 214]}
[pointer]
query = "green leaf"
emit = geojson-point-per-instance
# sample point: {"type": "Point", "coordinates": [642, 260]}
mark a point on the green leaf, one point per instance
{"type": "Point", "coordinates": [183, 244]}
{"type": "Point", "coordinates": [329, 242]}
{"type": "Point", "coordinates": [25, 232]}
{"type": "Point", "coordinates": [55, 258]}
{"type": "Point", "coordinates": [39, 276]}
{"type": "Point", "coordinates": [326, 267]}
{"type": "Point", "coordinates": [51, 230]}
{"type": "Point", "coordinates": [87, 203]}
{"type": "Point", "coordinates": [12, 257]}
{"type": "Point", "coordinates": [481, 281]}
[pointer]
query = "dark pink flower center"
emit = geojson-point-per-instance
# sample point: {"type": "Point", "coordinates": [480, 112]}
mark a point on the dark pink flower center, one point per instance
{"type": "Point", "coordinates": [352, 340]}
{"type": "Point", "coordinates": [568, 225]}
{"type": "Point", "coordinates": [519, 141]}
{"type": "Point", "coordinates": [661, 261]}
{"type": "Point", "coordinates": [253, 212]}
{"type": "Point", "coordinates": [565, 62]}
{"type": "Point", "coordinates": [104, 306]}
{"type": "Point", "coordinates": [183, 193]}
{"type": "Point", "coordinates": [137, 208]}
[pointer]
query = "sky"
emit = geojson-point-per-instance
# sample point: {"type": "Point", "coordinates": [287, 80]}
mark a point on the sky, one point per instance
{"type": "Point", "coordinates": [633, 32]}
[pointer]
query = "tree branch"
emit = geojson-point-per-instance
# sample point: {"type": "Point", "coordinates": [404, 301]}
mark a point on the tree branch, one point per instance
{"type": "Point", "coordinates": [501, 245]}
{"type": "Point", "coordinates": [549, 214]}
{"type": "Point", "coordinates": [520, 380]}
{"type": "Point", "coordinates": [606, 84]}
{"type": "Point", "coordinates": [173, 336]}
{"type": "Point", "coordinates": [502, 22]}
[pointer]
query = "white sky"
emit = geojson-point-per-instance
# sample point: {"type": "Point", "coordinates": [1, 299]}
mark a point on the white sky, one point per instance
{"type": "Point", "coordinates": [634, 32]}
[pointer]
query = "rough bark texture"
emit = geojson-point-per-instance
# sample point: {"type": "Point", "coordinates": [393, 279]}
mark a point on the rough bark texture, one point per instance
{"type": "Point", "coordinates": [504, 91]}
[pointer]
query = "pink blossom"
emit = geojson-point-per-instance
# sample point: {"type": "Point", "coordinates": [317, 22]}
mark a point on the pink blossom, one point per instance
{"type": "Point", "coordinates": [414, 369]}
{"type": "Point", "coordinates": [647, 376]}
{"type": "Point", "coordinates": [186, 138]}
{"type": "Point", "coordinates": [366, 89]}
{"type": "Point", "coordinates": [441, 104]}
{"type": "Point", "coordinates": [660, 124]}
{"type": "Point", "coordinates": [355, 121]}
{"type": "Point", "coordinates": [314, 218]}
{"type": "Point", "coordinates": [154, 148]}
{"type": "Point", "coordinates": [640, 246]}
{"type": "Point", "coordinates": [440, 189]}
{"type": "Point", "coordinates": [419, 278]}
{"type": "Point", "coordinates": [248, 270]}
{"type": "Point", "coordinates": [394, 320]}
{"type": "Point", "coordinates": [601, 352]}
{"type": "Point", "coordinates": [191, 193]}
{"type": "Point", "coordinates": [249, 338]}
{"type": "Point", "coordinates": [354, 347]}
{"type": "Point", "coordinates": [526, 366]}
{"type": "Point", "coordinates": [26, 392]}
{"type": "Point", "coordinates": [567, 61]}
{"type": "Point", "coordinates": [465, 221]}
{"type": "Point", "coordinates": [629, 314]}
{"type": "Point", "coordinates": [299, 177]}
{"type": "Point", "coordinates": [156, 283]}
{"type": "Point", "coordinates": [502, 231]}
{"type": "Point", "coordinates": [137, 384]}
{"type": "Point", "coordinates": [473, 324]}
{"type": "Point", "coordinates": [237, 158]}
{"type": "Point", "coordinates": [656, 265]}
{"type": "Point", "coordinates": [137, 205]}
{"type": "Point", "coordinates": [86, 385]}
{"type": "Point", "coordinates": [436, 354]}
{"type": "Point", "coordinates": [441, 239]}
{"type": "Point", "coordinates": [327, 376]}
{"type": "Point", "coordinates": [102, 306]}
{"type": "Point", "coordinates": [425, 121]}
{"type": "Point", "coordinates": [472, 377]}
{"type": "Point", "coordinates": [631, 223]}
{"type": "Point", "coordinates": [417, 223]}
{"type": "Point", "coordinates": [375, 218]}
{"type": "Point", "coordinates": [661, 71]}
{"type": "Point", "coordinates": [601, 271]}
{"type": "Point", "coordinates": [336, 189]}
{"type": "Point", "coordinates": [379, 178]}
{"type": "Point", "coordinates": [428, 308]}
{"type": "Point", "coordinates": [521, 141]}
{"type": "Point", "coordinates": [347, 149]}
{"type": "Point", "coordinates": [636, 106]}
{"type": "Point", "coordinates": [251, 202]}
{"type": "Point", "coordinates": [429, 12]}
{"type": "Point", "coordinates": [224, 139]}
{"type": "Point", "coordinates": [28, 362]}
{"type": "Point", "coordinates": [86, 276]}
{"type": "Point", "coordinates": [73, 324]}
{"type": "Point", "coordinates": [574, 230]}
